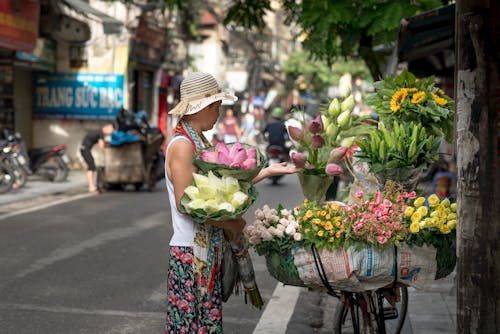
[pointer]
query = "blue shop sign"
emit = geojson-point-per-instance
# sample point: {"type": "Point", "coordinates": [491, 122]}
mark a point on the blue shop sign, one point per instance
{"type": "Point", "coordinates": [78, 96]}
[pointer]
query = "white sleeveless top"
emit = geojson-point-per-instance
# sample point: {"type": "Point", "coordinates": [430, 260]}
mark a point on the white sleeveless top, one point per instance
{"type": "Point", "coordinates": [183, 224]}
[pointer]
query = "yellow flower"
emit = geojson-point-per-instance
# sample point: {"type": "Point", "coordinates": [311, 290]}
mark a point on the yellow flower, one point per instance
{"type": "Point", "coordinates": [338, 234]}
{"type": "Point", "coordinates": [423, 211]}
{"type": "Point", "coordinates": [335, 206]}
{"type": "Point", "coordinates": [414, 227]}
{"type": "Point", "coordinates": [320, 233]}
{"type": "Point", "coordinates": [418, 97]}
{"type": "Point", "coordinates": [439, 100]}
{"type": "Point", "coordinates": [422, 224]}
{"type": "Point", "coordinates": [331, 239]}
{"type": "Point", "coordinates": [328, 226]}
{"type": "Point", "coordinates": [419, 202]}
{"type": "Point", "coordinates": [397, 99]}
{"type": "Point", "coordinates": [307, 230]}
{"type": "Point", "coordinates": [338, 221]}
{"type": "Point", "coordinates": [327, 217]}
{"type": "Point", "coordinates": [409, 211]}
{"type": "Point", "coordinates": [433, 200]}
{"type": "Point", "coordinates": [453, 207]}
{"type": "Point", "coordinates": [309, 214]}
{"type": "Point", "coordinates": [416, 217]}
{"type": "Point", "coordinates": [444, 229]}
{"type": "Point", "coordinates": [452, 216]}
{"type": "Point", "coordinates": [452, 224]}
{"type": "Point", "coordinates": [323, 213]}
{"type": "Point", "coordinates": [440, 91]}
{"type": "Point", "coordinates": [446, 202]}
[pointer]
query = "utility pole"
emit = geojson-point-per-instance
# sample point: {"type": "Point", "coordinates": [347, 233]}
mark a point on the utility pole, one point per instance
{"type": "Point", "coordinates": [476, 94]}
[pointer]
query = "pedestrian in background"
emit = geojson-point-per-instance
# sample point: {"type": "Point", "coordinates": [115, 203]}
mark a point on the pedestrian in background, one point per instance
{"type": "Point", "coordinates": [88, 142]}
{"type": "Point", "coordinates": [230, 127]}
{"type": "Point", "coordinates": [194, 295]}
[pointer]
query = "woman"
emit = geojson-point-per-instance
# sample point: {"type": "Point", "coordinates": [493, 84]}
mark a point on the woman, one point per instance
{"type": "Point", "coordinates": [194, 278]}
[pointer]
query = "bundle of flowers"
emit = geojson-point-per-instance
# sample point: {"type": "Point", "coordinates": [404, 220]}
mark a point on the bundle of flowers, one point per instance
{"type": "Point", "coordinates": [433, 222]}
{"type": "Point", "coordinates": [237, 160]}
{"type": "Point", "coordinates": [409, 99]}
{"type": "Point", "coordinates": [273, 234]}
{"type": "Point", "coordinates": [321, 226]}
{"type": "Point", "coordinates": [377, 220]}
{"type": "Point", "coordinates": [217, 198]}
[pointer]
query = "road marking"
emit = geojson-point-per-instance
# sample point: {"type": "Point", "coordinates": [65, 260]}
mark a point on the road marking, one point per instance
{"type": "Point", "coordinates": [64, 253]}
{"type": "Point", "coordinates": [46, 205]}
{"type": "Point", "coordinates": [279, 310]}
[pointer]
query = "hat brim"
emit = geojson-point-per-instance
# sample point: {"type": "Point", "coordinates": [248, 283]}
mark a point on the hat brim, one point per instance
{"type": "Point", "coordinates": [197, 105]}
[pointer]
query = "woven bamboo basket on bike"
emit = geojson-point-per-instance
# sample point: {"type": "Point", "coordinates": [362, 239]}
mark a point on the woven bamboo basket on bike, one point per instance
{"type": "Point", "coordinates": [282, 268]}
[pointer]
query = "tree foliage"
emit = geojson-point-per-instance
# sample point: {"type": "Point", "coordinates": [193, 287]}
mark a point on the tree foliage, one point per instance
{"type": "Point", "coordinates": [337, 28]}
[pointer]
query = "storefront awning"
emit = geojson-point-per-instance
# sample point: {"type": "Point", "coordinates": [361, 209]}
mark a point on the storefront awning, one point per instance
{"type": "Point", "coordinates": [111, 25]}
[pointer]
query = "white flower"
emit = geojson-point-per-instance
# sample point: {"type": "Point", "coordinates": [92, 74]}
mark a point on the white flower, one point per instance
{"type": "Point", "coordinates": [281, 227]}
{"type": "Point", "coordinates": [290, 229]}
{"type": "Point", "coordinates": [266, 236]}
{"type": "Point", "coordinates": [297, 236]}
{"type": "Point", "coordinates": [284, 222]}
{"type": "Point", "coordinates": [239, 198]}
{"type": "Point", "coordinates": [226, 206]}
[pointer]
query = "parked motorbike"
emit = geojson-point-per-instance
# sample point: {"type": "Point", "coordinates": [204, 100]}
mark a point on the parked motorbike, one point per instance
{"type": "Point", "coordinates": [7, 176]}
{"type": "Point", "coordinates": [275, 155]}
{"type": "Point", "coordinates": [49, 162]}
{"type": "Point", "coordinates": [11, 157]}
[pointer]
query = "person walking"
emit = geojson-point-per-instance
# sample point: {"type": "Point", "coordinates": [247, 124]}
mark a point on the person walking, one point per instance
{"type": "Point", "coordinates": [88, 142]}
{"type": "Point", "coordinates": [194, 295]}
{"type": "Point", "coordinates": [275, 131]}
{"type": "Point", "coordinates": [230, 127]}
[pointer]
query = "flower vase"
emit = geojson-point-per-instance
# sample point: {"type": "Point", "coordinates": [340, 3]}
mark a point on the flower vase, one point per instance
{"type": "Point", "coordinates": [314, 187]}
{"type": "Point", "coordinates": [407, 177]}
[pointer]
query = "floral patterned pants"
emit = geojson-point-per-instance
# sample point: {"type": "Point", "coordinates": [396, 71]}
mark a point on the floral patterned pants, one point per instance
{"type": "Point", "coordinates": [184, 314]}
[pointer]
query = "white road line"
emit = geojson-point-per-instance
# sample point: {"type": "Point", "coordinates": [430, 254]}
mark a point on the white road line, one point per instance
{"type": "Point", "coordinates": [278, 311]}
{"type": "Point", "coordinates": [46, 205]}
{"type": "Point", "coordinates": [64, 253]}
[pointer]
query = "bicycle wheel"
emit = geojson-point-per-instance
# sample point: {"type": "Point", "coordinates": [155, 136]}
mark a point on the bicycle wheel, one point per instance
{"type": "Point", "coordinates": [356, 318]}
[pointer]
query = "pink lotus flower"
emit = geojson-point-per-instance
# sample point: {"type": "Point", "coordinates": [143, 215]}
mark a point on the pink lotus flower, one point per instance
{"type": "Point", "coordinates": [249, 164]}
{"type": "Point", "coordinates": [296, 133]}
{"type": "Point", "coordinates": [298, 159]}
{"type": "Point", "coordinates": [223, 158]}
{"type": "Point", "coordinates": [208, 156]}
{"type": "Point", "coordinates": [333, 169]}
{"type": "Point", "coordinates": [317, 141]}
{"type": "Point", "coordinates": [252, 153]}
{"type": "Point", "coordinates": [316, 126]}
{"type": "Point", "coordinates": [337, 154]}
{"type": "Point", "coordinates": [221, 147]}
{"type": "Point", "coordinates": [237, 158]}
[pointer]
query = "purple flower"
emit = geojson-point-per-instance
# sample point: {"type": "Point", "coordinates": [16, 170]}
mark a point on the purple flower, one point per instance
{"type": "Point", "coordinates": [298, 159]}
{"type": "Point", "coordinates": [317, 141]}
{"type": "Point", "coordinates": [295, 133]}
{"type": "Point", "coordinates": [316, 125]}
{"type": "Point", "coordinates": [333, 169]}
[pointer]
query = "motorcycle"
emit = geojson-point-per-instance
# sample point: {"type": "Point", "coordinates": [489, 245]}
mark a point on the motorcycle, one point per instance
{"type": "Point", "coordinates": [7, 176]}
{"type": "Point", "coordinates": [275, 155]}
{"type": "Point", "coordinates": [50, 162]}
{"type": "Point", "coordinates": [12, 158]}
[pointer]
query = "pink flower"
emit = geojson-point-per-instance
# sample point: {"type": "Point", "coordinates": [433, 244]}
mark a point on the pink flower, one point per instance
{"type": "Point", "coordinates": [296, 133]}
{"type": "Point", "coordinates": [190, 296]}
{"type": "Point", "coordinates": [187, 258]}
{"type": "Point", "coordinates": [381, 239]}
{"type": "Point", "coordinates": [316, 126]}
{"type": "Point", "coordinates": [223, 158]}
{"type": "Point", "coordinates": [298, 159]}
{"type": "Point", "coordinates": [221, 147]}
{"type": "Point", "coordinates": [333, 169]}
{"type": "Point", "coordinates": [412, 195]}
{"type": "Point", "coordinates": [297, 236]}
{"type": "Point", "coordinates": [215, 314]}
{"type": "Point", "coordinates": [359, 194]}
{"type": "Point", "coordinates": [337, 154]}
{"type": "Point", "coordinates": [317, 141]}
{"type": "Point", "coordinates": [208, 156]}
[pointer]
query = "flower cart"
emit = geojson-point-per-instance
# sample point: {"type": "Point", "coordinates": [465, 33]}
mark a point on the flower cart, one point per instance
{"type": "Point", "coordinates": [386, 238]}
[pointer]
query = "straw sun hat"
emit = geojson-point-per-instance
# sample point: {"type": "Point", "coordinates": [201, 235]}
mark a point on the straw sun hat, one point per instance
{"type": "Point", "coordinates": [199, 90]}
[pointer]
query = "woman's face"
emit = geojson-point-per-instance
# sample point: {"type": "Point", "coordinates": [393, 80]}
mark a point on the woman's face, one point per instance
{"type": "Point", "coordinates": [212, 113]}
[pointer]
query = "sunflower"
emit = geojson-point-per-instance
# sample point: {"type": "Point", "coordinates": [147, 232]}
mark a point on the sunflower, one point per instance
{"type": "Point", "coordinates": [398, 98]}
{"type": "Point", "coordinates": [418, 97]}
{"type": "Point", "coordinates": [439, 100]}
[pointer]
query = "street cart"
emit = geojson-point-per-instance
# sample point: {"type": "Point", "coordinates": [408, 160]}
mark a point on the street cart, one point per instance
{"type": "Point", "coordinates": [133, 163]}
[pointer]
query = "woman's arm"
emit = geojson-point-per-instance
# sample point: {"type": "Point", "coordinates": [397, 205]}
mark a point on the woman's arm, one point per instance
{"type": "Point", "coordinates": [274, 170]}
{"type": "Point", "coordinates": [180, 167]}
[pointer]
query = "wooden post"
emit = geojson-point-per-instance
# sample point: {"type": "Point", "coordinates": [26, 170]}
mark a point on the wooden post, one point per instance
{"type": "Point", "coordinates": [476, 93]}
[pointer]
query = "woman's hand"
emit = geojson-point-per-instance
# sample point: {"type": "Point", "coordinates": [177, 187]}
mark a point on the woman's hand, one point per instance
{"type": "Point", "coordinates": [276, 170]}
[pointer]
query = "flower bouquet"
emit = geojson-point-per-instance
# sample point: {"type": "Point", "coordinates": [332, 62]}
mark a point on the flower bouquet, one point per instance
{"type": "Point", "coordinates": [240, 161]}
{"type": "Point", "coordinates": [217, 198]}
{"type": "Point", "coordinates": [434, 224]}
{"type": "Point", "coordinates": [273, 234]}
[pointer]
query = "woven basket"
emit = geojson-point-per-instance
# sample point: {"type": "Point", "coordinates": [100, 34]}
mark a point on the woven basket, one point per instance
{"type": "Point", "coordinates": [282, 268]}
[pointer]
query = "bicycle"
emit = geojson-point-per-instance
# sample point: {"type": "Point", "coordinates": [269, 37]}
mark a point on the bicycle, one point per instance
{"type": "Point", "coordinates": [381, 311]}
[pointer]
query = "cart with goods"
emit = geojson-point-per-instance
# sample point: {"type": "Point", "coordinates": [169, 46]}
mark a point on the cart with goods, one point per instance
{"type": "Point", "coordinates": [132, 163]}
{"type": "Point", "coordinates": [388, 236]}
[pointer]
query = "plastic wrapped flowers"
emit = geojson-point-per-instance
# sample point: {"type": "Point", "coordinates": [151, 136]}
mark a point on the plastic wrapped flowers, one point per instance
{"type": "Point", "coordinates": [237, 160]}
{"type": "Point", "coordinates": [217, 198]}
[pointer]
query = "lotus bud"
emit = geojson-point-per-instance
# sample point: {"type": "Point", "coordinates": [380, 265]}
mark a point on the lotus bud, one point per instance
{"type": "Point", "coordinates": [223, 158]}
{"type": "Point", "coordinates": [343, 119]}
{"type": "Point", "coordinates": [249, 164]}
{"type": "Point", "coordinates": [296, 133]}
{"type": "Point", "coordinates": [347, 104]}
{"type": "Point", "coordinates": [221, 147]}
{"type": "Point", "coordinates": [334, 108]}
{"type": "Point", "coordinates": [236, 149]}
{"type": "Point", "coordinates": [337, 154]}
{"type": "Point", "coordinates": [347, 91]}
{"type": "Point", "coordinates": [252, 153]}
{"type": "Point", "coordinates": [299, 159]}
{"type": "Point", "coordinates": [326, 122]}
{"type": "Point", "coordinates": [317, 141]}
{"type": "Point", "coordinates": [332, 131]}
{"type": "Point", "coordinates": [316, 125]}
{"type": "Point", "coordinates": [347, 142]}
{"type": "Point", "coordinates": [208, 156]}
{"type": "Point", "coordinates": [333, 169]}
{"type": "Point", "coordinates": [238, 158]}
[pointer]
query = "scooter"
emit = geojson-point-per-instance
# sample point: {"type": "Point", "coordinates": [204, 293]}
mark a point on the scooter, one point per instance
{"type": "Point", "coordinates": [12, 158]}
{"type": "Point", "coordinates": [50, 162]}
{"type": "Point", "coordinates": [275, 155]}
